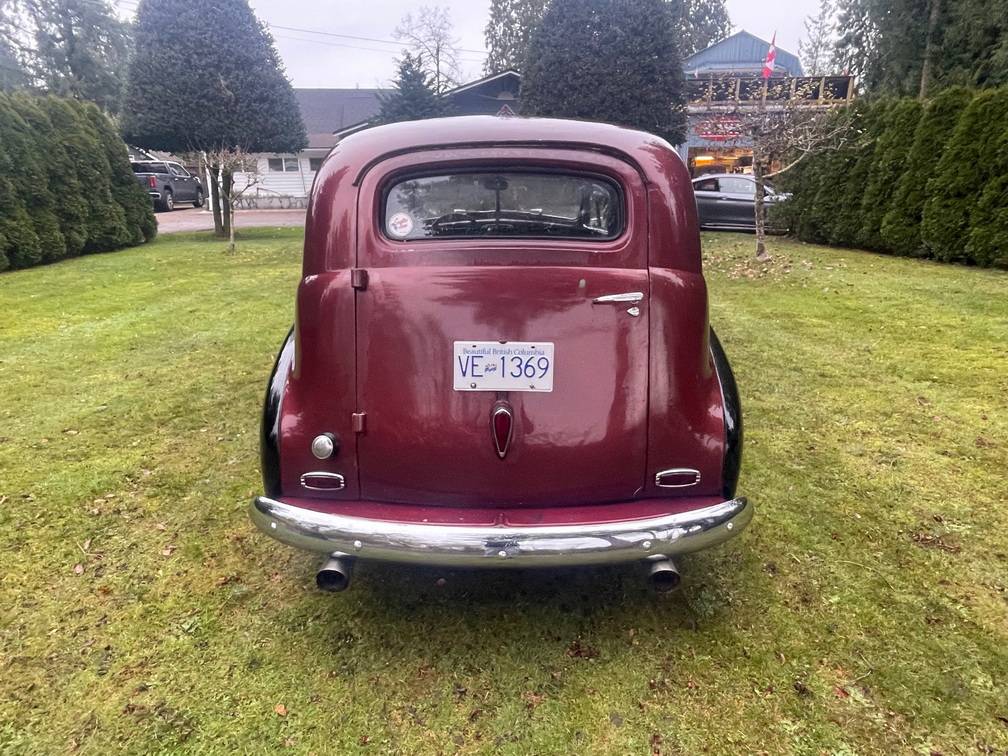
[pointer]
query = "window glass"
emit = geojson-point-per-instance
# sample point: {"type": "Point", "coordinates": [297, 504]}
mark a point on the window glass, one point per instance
{"type": "Point", "coordinates": [314, 164]}
{"type": "Point", "coordinates": [707, 185]}
{"type": "Point", "coordinates": [178, 170]}
{"type": "Point", "coordinates": [288, 164]}
{"type": "Point", "coordinates": [732, 185]}
{"type": "Point", "coordinates": [504, 204]}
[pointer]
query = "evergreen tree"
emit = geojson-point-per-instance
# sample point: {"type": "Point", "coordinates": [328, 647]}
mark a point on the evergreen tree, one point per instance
{"type": "Point", "coordinates": [206, 77]}
{"type": "Point", "coordinates": [67, 159]}
{"type": "Point", "coordinates": [19, 243]}
{"type": "Point", "coordinates": [508, 32]}
{"type": "Point", "coordinates": [816, 49]}
{"type": "Point", "coordinates": [33, 182]}
{"type": "Point", "coordinates": [918, 47]}
{"type": "Point", "coordinates": [80, 49]}
{"type": "Point", "coordinates": [140, 223]}
{"type": "Point", "coordinates": [607, 60]}
{"type": "Point", "coordinates": [988, 239]}
{"type": "Point", "coordinates": [901, 225]}
{"type": "Point", "coordinates": [849, 183]}
{"type": "Point", "coordinates": [888, 164]}
{"type": "Point", "coordinates": [412, 97]}
{"type": "Point", "coordinates": [699, 24]}
{"type": "Point", "coordinates": [964, 169]}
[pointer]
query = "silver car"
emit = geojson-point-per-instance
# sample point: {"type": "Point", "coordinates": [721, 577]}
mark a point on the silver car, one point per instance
{"type": "Point", "coordinates": [728, 201]}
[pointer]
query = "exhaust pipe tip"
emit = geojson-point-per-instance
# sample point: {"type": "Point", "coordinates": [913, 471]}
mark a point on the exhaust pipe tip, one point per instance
{"type": "Point", "coordinates": [334, 574]}
{"type": "Point", "coordinates": [664, 576]}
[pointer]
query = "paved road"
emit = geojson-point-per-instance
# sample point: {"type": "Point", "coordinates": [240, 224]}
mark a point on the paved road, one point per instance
{"type": "Point", "coordinates": [193, 219]}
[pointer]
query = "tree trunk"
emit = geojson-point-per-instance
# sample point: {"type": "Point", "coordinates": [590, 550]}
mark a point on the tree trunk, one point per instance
{"type": "Point", "coordinates": [761, 252]}
{"type": "Point", "coordinates": [227, 211]}
{"type": "Point", "coordinates": [929, 45]}
{"type": "Point", "coordinates": [215, 200]}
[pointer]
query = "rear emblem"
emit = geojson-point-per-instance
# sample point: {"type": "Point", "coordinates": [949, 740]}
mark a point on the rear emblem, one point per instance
{"type": "Point", "coordinates": [501, 423]}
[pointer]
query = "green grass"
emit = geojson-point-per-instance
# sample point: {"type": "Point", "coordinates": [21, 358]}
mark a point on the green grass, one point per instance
{"type": "Point", "coordinates": [865, 610]}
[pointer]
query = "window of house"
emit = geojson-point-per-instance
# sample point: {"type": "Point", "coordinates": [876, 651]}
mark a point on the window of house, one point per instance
{"type": "Point", "coordinates": [289, 164]}
{"type": "Point", "coordinates": [314, 164]}
{"type": "Point", "coordinates": [504, 204]}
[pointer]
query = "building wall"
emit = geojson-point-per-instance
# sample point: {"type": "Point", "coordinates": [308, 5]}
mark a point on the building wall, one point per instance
{"type": "Point", "coordinates": [278, 189]}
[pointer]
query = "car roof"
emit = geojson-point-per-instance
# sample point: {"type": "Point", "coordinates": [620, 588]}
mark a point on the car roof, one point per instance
{"type": "Point", "coordinates": [365, 148]}
{"type": "Point", "coordinates": [723, 175]}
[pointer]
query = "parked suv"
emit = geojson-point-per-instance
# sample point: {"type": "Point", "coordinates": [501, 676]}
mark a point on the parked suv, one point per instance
{"type": "Point", "coordinates": [501, 357]}
{"type": "Point", "coordinates": [168, 183]}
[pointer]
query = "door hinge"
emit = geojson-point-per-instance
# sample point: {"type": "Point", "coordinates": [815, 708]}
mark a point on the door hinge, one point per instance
{"type": "Point", "coordinates": [359, 278]}
{"type": "Point", "coordinates": [357, 421]}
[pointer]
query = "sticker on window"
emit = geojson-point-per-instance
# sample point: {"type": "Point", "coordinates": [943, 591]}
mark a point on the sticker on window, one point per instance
{"type": "Point", "coordinates": [400, 225]}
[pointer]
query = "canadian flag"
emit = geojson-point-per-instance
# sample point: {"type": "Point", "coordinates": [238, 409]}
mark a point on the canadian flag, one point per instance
{"type": "Point", "coordinates": [771, 56]}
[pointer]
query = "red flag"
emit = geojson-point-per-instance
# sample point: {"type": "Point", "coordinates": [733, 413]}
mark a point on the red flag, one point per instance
{"type": "Point", "coordinates": [771, 56]}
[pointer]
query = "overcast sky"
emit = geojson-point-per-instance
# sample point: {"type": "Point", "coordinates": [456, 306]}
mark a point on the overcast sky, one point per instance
{"type": "Point", "coordinates": [317, 60]}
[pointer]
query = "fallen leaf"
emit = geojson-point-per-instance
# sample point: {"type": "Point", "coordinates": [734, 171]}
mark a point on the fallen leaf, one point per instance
{"type": "Point", "coordinates": [167, 550]}
{"type": "Point", "coordinates": [532, 700]}
{"type": "Point", "coordinates": [78, 569]}
{"type": "Point", "coordinates": [281, 710]}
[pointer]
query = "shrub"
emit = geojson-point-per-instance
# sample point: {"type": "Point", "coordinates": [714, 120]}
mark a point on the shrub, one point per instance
{"type": "Point", "coordinates": [888, 163]}
{"type": "Point", "coordinates": [988, 239]}
{"type": "Point", "coordinates": [66, 186]}
{"type": "Point", "coordinates": [964, 171]}
{"type": "Point", "coordinates": [901, 225]}
{"type": "Point", "coordinates": [19, 166]}
{"type": "Point", "coordinates": [126, 192]}
{"type": "Point", "coordinates": [851, 180]}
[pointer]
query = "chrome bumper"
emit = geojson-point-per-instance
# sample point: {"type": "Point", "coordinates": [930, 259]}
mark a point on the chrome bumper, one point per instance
{"type": "Point", "coordinates": [501, 546]}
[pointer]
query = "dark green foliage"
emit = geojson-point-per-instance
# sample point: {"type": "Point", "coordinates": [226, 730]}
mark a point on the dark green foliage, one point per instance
{"type": "Point", "coordinates": [886, 44]}
{"type": "Point", "coordinates": [988, 239]}
{"type": "Point", "coordinates": [412, 97]}
{"type": "Point", "coordinates": [940, 190]}
{"type": "Point", "coordinates": [126, 192]}
{"type": "Point", "coordinates": [26, 171]}
{"type": "Point", "coordinates": [66, 186]}
{"type": "Point", "coordinates": [888, 163]}
{"type": "Point", "coordinates": [207, 77]}
{"type": "Point", "coordinates": [80, 49]}
{"type": "Point", "coordinates": [964, 171]}
{"type": "Point", "coordinates": [65, 169]}
{"type": "Point", "coordinates": [607, 60]}
{"type": "Point", "coordinates": [901, 224]}
{"type": "Point", "coordinates": [508, 32]}
{"type": "Point", "coordinates": [851, 177]}
{"type": "Point", "coordinates": [699, 24]}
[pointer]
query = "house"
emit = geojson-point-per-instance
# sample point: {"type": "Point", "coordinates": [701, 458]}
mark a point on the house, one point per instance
{"type": "Point", "coordinates": [725, 79]}
{"type": "Point", "coordinates": [285, 179]}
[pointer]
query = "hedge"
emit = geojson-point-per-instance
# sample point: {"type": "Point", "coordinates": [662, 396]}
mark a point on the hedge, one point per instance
{"type": "Point", "coordinates": [921, 179]}
{"type": "Point", "coordinates": [66, 186]}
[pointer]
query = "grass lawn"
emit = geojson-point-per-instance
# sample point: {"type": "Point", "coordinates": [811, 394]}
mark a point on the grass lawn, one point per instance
{"type": "Point", "coordinates": [864, 611]}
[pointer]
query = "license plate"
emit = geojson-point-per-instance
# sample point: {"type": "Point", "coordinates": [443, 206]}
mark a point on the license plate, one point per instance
{"type": "Point", "coordinates": [503, 366]}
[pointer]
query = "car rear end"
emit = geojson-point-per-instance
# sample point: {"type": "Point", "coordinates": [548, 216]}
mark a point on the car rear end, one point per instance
{"type": "Point", "coordinates": [501, 357]}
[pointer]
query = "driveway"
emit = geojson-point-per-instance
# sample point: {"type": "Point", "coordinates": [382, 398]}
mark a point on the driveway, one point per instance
{"type": "Point", "coordinates": [196, 219]}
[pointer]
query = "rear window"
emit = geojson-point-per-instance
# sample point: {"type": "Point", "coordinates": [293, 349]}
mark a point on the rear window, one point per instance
{"type": "Point", "coordinates": [504, 204]}
{"type": "Point", "coordinates": [150, 168]}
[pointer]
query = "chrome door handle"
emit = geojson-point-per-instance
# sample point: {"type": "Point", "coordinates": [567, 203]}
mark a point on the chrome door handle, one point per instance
{"type": "Point", "coordinates": [630, 296]}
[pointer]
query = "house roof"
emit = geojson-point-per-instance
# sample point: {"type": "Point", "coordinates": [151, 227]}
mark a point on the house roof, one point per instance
{"type": "Point", "coordinates": [325, 111]}
{"type": "Point", "coordinates": [742, 52]}
{"type": "Point", "coordinates": [500, 87]}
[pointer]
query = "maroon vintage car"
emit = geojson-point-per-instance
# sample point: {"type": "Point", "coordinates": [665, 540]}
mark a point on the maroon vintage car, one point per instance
{"type": "Point", "coordinates": [501, 357]}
